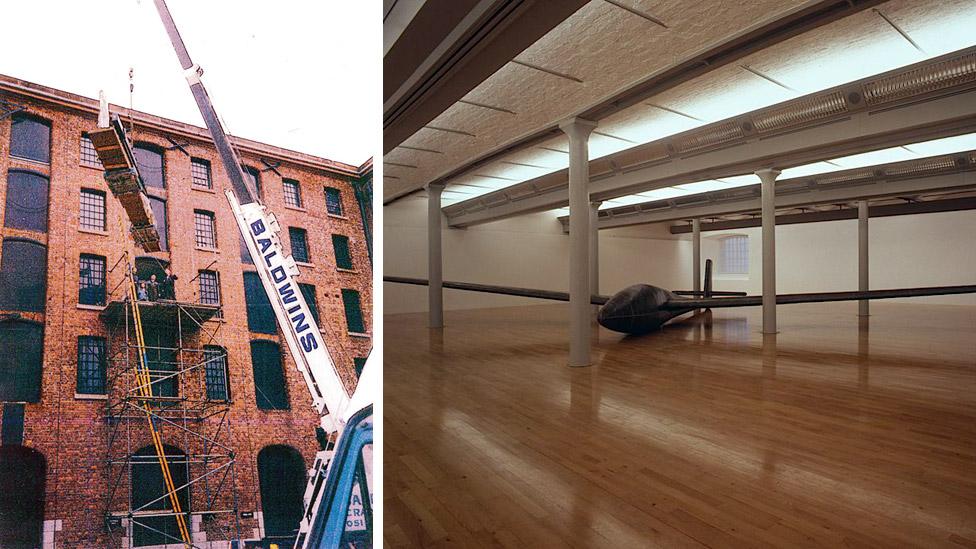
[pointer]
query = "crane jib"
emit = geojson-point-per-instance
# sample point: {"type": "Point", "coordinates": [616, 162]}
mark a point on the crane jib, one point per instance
{"type": "Point", "coordinates": [285, 288]}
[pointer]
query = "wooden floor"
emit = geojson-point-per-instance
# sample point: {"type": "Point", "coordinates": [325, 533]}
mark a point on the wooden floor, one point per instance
{"type": "Point", "coordinates": [833, 433]}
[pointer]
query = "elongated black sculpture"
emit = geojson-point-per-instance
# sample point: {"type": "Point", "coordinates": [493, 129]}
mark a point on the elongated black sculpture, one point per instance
{"type": "Point", "coordinates": [643, 308]}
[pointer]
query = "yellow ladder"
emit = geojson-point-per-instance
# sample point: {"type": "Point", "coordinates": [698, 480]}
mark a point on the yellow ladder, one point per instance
{"type": "Point", "coordinates": [144, 381]}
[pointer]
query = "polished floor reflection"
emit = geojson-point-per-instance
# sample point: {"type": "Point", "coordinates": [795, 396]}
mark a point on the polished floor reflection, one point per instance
{"type": "Point", "coordinates": [838, 431]}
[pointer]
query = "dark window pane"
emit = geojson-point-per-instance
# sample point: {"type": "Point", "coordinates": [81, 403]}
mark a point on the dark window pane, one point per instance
{"type": "Point", "coordinates": [308, 292]}
{"type": "Point", "coordinates": [333, 201]}
{"type": "Point", "coordinates": [91, 280]}
{"type": "Point", "coordinates": [293, 193]}
{"type": "Point", "coordinates": [23, 275]}
{"type": "Point", "coordinates": [200, 170]}
{"type": "Point", "coordinates": [281, 476]}
{"type": "Point", "coordinates": [299, 244]}
{"type": "Point", "coordinates": [245, 254]}
{"type": "Point", "coordinates": [260, 316]}
{"type": "Point", "coordinates": [204, 229]}
{"type": "Point", "coordinates": [158, 206]}
{"type": "Point", "coordinates": [269, 377]}
{"type": "Point", "coordinates": [92, 212]}
{"type": "Point", "coordinates": [354, 312]}
{"type": "Point", "coordinates": [340, 244]}
{"type": "Point", "coordinates": [253, 177]}
{"type": "Point", "coordinates": [26, 201]}
{"type": "Point", "coordinates": [30, 138]}
{"type": "Point", "coordinates": [20, 362]}
{"type": "Point", "coordinates": [91, 365]}
{"type": "Point", "coordinates": [216, 373]}
{"type": "Point", "coordinates": [22, 474]}
{"type": "Point", "coordinates": [148, 485]}
{"type": "Point", "coordinates": [209, 288]}
{"type": "Point", "coordinates": [150, 164]}
{"type": "Point", "coordinates": [161, 357]}
{"type": "Point", "coordinates": [359, 363]}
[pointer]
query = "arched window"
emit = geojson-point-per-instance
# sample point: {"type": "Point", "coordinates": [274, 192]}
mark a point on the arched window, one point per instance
{"type": "Point", "coordinates": [158, 206]}
{"type": "Point", "coordinates": [148, 485]}
{"type": "Point", "coordinates": [30, 138]}
{"type": "Point", "coordinates": [21, 356]}
{"type": "Point", "coordinates": [26, 204]}
{"type": "Point", "coordinates": [260, 315]}
{"type": "Point", "coordinates": [269, 377]}
{"type": "Point", "coordinates": [23, 275]}
{"type": "Point", "coordinates": [281, 475]}
{"type": "Point", "coordinates": [254, 178]}
{"type": "Point", "coordinates": [149, 160]}
{"type": "Point", "coordinates": [22, 475]}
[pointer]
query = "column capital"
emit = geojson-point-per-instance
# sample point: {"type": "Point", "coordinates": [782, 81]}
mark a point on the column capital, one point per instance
{"type": "Point", "coordinates": [596, 204]}
{"type": "Point", "coordinates": [770, 173]}
{"type": "Point", "coordinates": [435, 189]}
{"type": "Point", "coordinates": [576, 127]}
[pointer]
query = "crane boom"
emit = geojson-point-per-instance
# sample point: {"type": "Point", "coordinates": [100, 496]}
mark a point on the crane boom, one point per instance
{"type": "Point", "coordinates": [340, 480]}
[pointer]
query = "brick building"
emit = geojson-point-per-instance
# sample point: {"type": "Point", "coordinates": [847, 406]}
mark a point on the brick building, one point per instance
{"type": "Point", "coordinates": [76, 463]}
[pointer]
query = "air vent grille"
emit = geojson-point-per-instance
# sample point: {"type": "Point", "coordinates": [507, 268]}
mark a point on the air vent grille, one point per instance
{"type": "Point", "coordinates": [800, 112]}
{"type": "Point", "coordinates": [938, 76]}
{"type": "Point", "coordinates": [709, 137]}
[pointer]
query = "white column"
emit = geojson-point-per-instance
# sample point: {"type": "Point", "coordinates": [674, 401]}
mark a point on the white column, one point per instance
{"type": "Point", "coordinates": [435, 291]}
{"type": "Point", "coordinates": [768, 178]}
{"type": "Point", "coordinates": [696, 252]}
{"type": "Point", "coordinates": [862, 256]}
{"type": "Point", "coordinates": [578, 131]}
{"type": "Point", "coordinates": [594, 247]}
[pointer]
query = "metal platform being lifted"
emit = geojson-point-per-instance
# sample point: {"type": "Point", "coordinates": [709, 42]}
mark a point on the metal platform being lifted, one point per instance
{"type": "Point", "coordinates": [122, 176]}
{"type": "Point", "coordinates": [188, 316]}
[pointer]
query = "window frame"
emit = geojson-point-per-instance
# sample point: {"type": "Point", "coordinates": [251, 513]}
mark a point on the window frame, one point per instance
{"type": "Point", "coordinates": [32, 224]}
{"type": "Point", "coordinates": [155, 149]}
{"type": "Point", "coordinates": [101, 367]}
{"type": "Point", "coordinates": [292, 231]}
{"type": "Point", "coordinates": [87, 155]}
{"type": "Point", "coordinates": [733, 263]}
{"type": "Point", "coordinates": [99, 259]}
{"type": "Point", "coordinates": [81, 210]}
{"type": "Point", "coordinates": [19, 117]}
{"type": "Point", "coordinates": [204, 274]}
{"type": "Point", "coordinates": [11, 297]}
{"type": "Point", "coordinates": [210, 226]}
{"type": "Point", "coordinates": [345, 308]}
{"type": "Point", "coordinates": [269, 370]}
{"type": "Point", "coordinates": [194, 176]}
{"type": "Point", "coordinates": [338, 196]}
{"type": "Point", "coordinates": [209, 357]}
{"type": "Point", "coordinates": [292, 199]}
{"type": "Point", "coordinates": [348, 265]}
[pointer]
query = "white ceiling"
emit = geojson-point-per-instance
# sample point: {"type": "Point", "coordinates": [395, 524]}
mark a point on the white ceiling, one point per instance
{"type": "Point", "coordinates": [609, 48]}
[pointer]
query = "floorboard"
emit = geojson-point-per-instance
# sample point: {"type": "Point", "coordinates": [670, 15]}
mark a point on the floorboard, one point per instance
{"type": "Point", "coordinates": [839, 431]}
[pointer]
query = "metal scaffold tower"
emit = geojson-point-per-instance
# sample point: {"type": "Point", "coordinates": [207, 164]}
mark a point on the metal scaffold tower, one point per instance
{"type": "Point", "coordinates": [170, 465]}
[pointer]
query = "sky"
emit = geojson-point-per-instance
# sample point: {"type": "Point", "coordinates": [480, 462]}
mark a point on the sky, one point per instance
{"type": "Point", "coordinates": [299, 74]}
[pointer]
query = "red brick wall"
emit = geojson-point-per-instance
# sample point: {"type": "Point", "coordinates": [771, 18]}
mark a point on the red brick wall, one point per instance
{"type": "Point", "coordinates": [72, 433]}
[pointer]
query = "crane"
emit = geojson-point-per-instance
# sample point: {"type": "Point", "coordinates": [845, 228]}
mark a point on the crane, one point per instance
{"type": "Point", "coordinates": [338, 494]}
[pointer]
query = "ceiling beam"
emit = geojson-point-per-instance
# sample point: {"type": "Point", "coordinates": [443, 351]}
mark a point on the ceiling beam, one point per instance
{"type": "Point", "coordinates": [811, 15]}
{"type": "Point", "coordinates": [451, 46]}
{"type": "Point", "coordinates": [886, 210]}
{"type": "Point", "coordinates": [791, 193]}
{"type": "Point", "coordinates": [896, 108]}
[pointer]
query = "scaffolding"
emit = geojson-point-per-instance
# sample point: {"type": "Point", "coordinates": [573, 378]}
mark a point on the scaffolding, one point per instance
{"type": "Point", "coordinates": [163, 419]}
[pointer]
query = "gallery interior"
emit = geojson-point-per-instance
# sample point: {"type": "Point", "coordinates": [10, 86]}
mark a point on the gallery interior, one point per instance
{"type": "Point", "coordinates": [680, 274]}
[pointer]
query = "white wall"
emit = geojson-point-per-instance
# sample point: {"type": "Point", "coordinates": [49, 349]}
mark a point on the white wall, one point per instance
{"type": "Point", "coordinates": [532, 252]}
{"type": "Point", "coordinates": [529, 251]}
{"type": "Point", "coordinates": [904, 252]}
